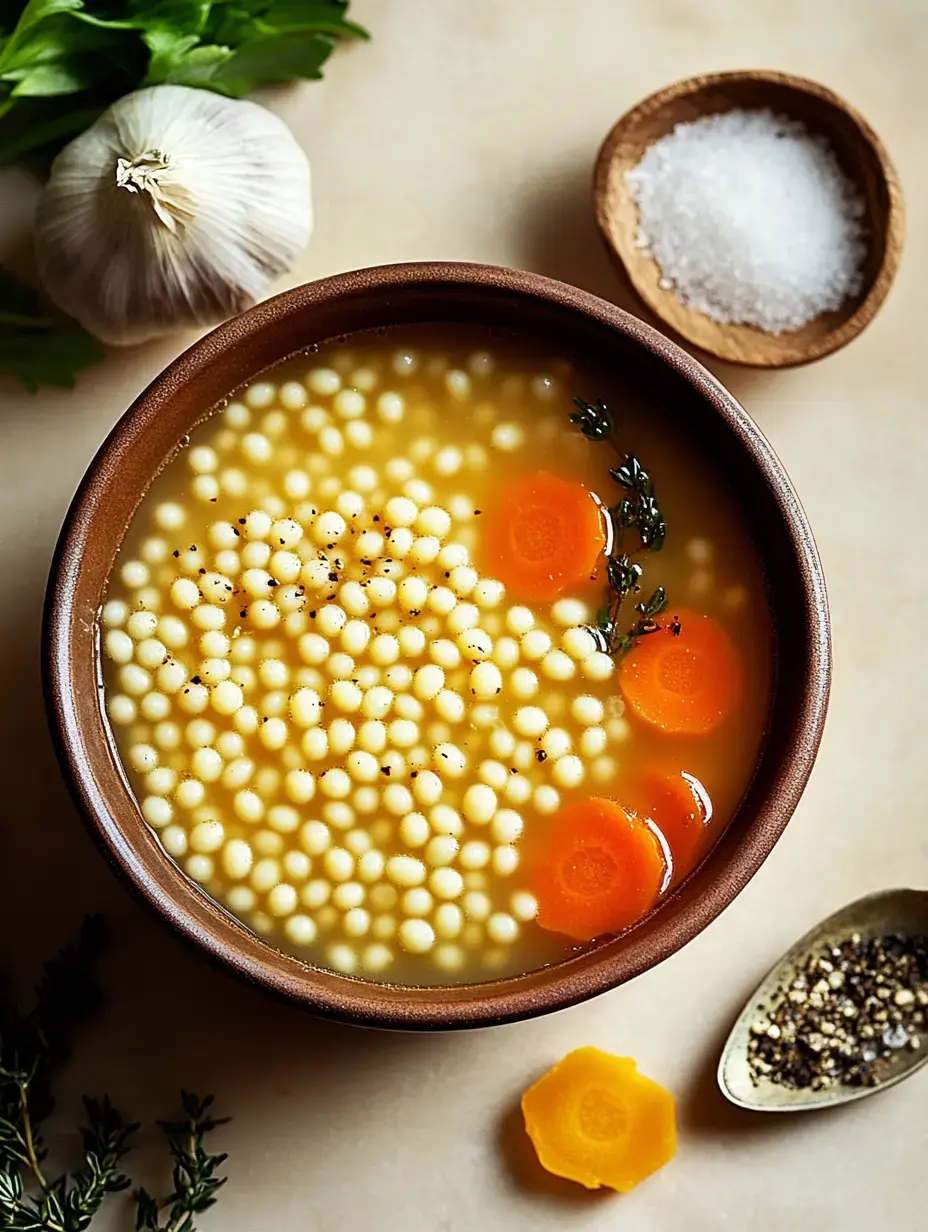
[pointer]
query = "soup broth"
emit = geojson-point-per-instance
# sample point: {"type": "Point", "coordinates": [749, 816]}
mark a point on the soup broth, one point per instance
{"type": "Point", "coordinates": [358, 672]}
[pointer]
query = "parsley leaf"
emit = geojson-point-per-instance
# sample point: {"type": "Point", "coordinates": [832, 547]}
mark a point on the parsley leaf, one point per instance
{"type": "Point", "coordinates": [38, 349]}
{"type": "Point", "coordinates": [90, 52]}
{"type": "Point", "coordinates": [273, 58]}
{"type": "Point", "coordinates": [181, 60]}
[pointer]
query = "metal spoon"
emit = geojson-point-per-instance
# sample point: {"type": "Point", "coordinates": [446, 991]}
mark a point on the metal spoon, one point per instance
{"type": "Point", "coordinates": [903, 912]}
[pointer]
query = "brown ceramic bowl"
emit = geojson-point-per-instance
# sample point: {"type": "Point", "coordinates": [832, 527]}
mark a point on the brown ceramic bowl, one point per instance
{"type": "Point", "coordinates": [148, 435]}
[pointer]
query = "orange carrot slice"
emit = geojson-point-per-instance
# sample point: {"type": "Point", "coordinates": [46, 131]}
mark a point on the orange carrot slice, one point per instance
{"type": "Point", "coordinates": [596, 1120]}
{"type": "Point", "coordinates": [599, 871]}
{"type": "Point", "coordinates": [547, 536]}
{"type": "Point", "coordinates": [686, 678]}
{"type": "Point", "coordinates": [679, 805]}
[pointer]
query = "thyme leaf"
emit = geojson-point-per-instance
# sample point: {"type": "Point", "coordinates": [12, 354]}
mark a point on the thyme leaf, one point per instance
{"type": "Point", "coordinates": [654, 606]}
{"type": "Point", "coordinates": [594, 419]}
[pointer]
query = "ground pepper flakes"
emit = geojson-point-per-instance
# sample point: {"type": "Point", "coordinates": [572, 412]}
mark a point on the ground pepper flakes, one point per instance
{"type": "Point", "coordinates": [847, 1012]}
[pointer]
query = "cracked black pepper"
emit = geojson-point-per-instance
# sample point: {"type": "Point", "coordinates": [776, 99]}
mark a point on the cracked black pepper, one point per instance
{"type": "Point", "coordinates": [845, 1016]}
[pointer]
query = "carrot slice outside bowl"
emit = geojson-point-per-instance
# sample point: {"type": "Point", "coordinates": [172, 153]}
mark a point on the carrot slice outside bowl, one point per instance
{"type": "Point", "coordinates": [547, 535]}
{"type": "Point", "coordinates": [599, 870]}
{"type": "Point", "coordinates": [686, 678]}
{"type": "Point", "coordinates": [596, 1120]}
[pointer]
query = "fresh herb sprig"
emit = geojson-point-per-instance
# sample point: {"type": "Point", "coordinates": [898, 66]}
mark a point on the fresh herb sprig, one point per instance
{"type": "Point", "coordinates": [63, 62]}
{"type": "Point", "coordinates": [195, 1180]}
{"type": "Point", "coordinates": [32, 1047]}
{"type": "Point", "coordinates": [638, 510]}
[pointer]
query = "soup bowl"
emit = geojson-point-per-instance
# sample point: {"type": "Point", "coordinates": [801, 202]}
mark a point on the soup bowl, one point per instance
{"type": "Point", "coordinates": [150, 433]}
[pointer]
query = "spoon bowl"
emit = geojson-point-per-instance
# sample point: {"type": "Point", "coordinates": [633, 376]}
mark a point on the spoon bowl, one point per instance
{"type": "Point", "coordinates": [861, 155]}
{"type": "Point", "coordinates": [901, 912]}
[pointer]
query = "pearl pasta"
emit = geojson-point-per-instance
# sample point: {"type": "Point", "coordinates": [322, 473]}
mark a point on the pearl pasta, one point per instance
{"type": "Point", "coordinates": [336, 709]}
{"type": "Point", "coordinates": [417, 936]}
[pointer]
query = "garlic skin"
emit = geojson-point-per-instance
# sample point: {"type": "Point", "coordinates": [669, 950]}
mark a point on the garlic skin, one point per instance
{"type": "Point", "coordinates": [176, 209]}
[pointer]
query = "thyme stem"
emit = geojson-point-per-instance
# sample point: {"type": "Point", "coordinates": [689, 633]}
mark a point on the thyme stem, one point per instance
{"type": "Point", "coordinates": [31, 1152]}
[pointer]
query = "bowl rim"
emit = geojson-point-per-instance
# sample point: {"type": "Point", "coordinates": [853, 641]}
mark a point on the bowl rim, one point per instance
{"type": "Point", "coordinates": [160, 884]}
{"type": "Point", "coordinates": [884, 276]}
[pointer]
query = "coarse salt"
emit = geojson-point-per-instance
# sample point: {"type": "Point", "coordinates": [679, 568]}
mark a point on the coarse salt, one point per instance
{"type": "Point", "coordinates": [750, 219]}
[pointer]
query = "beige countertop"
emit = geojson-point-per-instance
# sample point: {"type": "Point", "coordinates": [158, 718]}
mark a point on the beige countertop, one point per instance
{"type": "Point", "coordinates": [467, 129]}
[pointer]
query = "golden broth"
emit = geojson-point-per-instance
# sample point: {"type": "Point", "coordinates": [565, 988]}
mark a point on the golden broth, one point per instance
{"type": "Point", "coordinates": [263, 663]}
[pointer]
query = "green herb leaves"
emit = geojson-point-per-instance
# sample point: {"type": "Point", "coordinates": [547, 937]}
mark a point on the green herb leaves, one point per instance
{"type": "Point", "coordinates": [38, 349]}
{"type": "Point", "coordinates": [32, 1046]}
{"type": "Point", "coordinates": [594, 419]}
{"type": "Point", "coordinates": [639, 511]}
{"type": "Point", "coordinates": [640, 508]}
{"type": "Point", "coordinates": [93, 51]}
{"type": "Point", "coordinates": [195, 1180]}
{"type": "Point", "coordinates": [646, 622]}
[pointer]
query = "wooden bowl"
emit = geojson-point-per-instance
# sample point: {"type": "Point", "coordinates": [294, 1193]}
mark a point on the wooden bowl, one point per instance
{"type": "Point", "coordinates": [861, 155]}
{"type": "Point", "coordinates": [574, 322]}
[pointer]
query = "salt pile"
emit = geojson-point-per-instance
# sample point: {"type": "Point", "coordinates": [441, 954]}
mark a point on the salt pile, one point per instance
{"type": "Point", "coordinates": [750, 219]}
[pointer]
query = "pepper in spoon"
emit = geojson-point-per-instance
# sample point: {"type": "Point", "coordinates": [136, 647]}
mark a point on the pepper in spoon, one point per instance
{"type": "Point", "coordinates": [842, 1015]}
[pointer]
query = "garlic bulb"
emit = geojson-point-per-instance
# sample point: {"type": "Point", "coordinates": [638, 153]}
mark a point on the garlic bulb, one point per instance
{"type": "Point", "coordinates": [177, 208]}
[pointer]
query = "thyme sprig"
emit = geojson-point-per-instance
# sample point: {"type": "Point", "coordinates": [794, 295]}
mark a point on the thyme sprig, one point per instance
{"type": "Point", "coordinates": [32, 1048]}
{"type": "Point", "coordinates": [638, 510]}
{"type": "Point", "coordinates": [195, 1182]}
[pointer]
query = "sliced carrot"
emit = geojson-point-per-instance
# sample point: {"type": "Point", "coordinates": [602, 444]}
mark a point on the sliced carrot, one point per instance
{"type": "Point", "coordinates": [686, 678]}
{"type": "Point", "coordinates": [679, 805]}
{"type": "Point", "coordinates": [596, 1120]}
{"type": "Point", "coordinates": [599, 871]}
{"type": "Point", "coordinates": [547, 535]}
